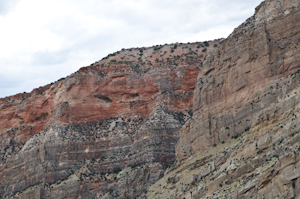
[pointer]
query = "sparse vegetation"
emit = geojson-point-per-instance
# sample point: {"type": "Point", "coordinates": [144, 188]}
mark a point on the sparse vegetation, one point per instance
{"type": "Point", "coordinates": [116, 170]}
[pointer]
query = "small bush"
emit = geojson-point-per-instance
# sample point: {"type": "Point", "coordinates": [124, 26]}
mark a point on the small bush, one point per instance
{"type": "Point", "coordinates": [259, 152]}
{"type": "Point", "coordinates": [156, 48]}
{"type": "Point", "coordinates": [116, 170]}
{"type": "Point", "coordinates": [247, 129]}
{"type": "Point", "coordinates": [137, 165]}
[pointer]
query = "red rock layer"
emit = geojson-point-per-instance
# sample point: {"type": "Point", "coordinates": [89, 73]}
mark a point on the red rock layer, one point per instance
{"type": "Point", "coordinates": [123, 110]}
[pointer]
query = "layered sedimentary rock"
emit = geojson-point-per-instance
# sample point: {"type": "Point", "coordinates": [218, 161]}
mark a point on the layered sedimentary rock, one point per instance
{"type": "Point", "coordinates": [243, 139]}
{"type": "Point", "coordinates": [246, 74]}
{"type": "Point", "coordinates": [107, 131]}
{"type": "Point", "coordinates": [263, 162]}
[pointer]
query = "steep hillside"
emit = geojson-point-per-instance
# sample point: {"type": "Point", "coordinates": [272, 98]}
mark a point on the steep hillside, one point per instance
{"type": "Point", "coordinates": [243, 139]}
{"type": "Point", "coordinates": [107, 131]}
{"type": "Point", "coordinates": [216, 119]}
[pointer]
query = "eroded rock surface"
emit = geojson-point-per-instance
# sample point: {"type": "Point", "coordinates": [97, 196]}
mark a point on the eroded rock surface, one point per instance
{"type": "Point", "coordinates": [262, 162]}
{"type": "Point", "coordinates": [250, 70]}
{"type": "Point", "coordinates": [243, 139]}
{"type": "Point", "coordinates": [107, 131]}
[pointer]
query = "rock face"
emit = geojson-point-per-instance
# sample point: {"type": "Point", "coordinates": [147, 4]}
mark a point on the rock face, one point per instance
{"type": "Point", "coordinates": [247, 73]}
{"type": "Point", "coordinates": [111, 130]}
{"type": "Point", "coordinates": [107, 131]}
{"type": "Point", "coordinates": [263, 162]}
{"type": "Point", "coordinates": [243, 139]}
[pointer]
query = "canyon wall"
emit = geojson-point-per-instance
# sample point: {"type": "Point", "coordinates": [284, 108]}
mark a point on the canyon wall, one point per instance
{"type": "Point", "coordinates": [226, 111]}
{"type": "Point", "coordinates": [246, 74]}
{"type": "Point", "coordinates": [107, 131]}
{"type": "Point", "coordinates": [243, 139]}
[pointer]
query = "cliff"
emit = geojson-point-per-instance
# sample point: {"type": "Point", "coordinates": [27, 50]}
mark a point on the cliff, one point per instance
{"type": "Point", "coordinates": [243, 138]}
{"type": "Point", "coordinates": [216, 119]}
{"type": "Point", "coordinates": [107, 131]}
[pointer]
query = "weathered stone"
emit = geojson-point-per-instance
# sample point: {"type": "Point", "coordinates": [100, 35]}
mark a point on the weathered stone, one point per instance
{"type": "Point", "coordinates": [110, 130]}
{"type": "Point", "coordinates": [247, 100]}
{"type": "Point", "coordinates": [245, 75]}
{"type": "Point", "coordinates": [121, 113]}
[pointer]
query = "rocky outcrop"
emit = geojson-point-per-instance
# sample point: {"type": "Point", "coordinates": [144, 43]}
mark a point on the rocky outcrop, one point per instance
{"type": "Point", "coordinates": [107, 131]}
{"type": "Point", "coordinates": [263, 162]}
{"type": "Point", "coordinates": [245, 75]}
{"type": "Point", "coordinates": [110, 130]}
{"type": "Point", "coordinates": [243, 138]}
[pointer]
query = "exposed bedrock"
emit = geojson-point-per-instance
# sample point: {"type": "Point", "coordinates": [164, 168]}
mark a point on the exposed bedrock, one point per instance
{"type": "Point", "coordinates": [254, 67]}
{"type": "Point", "coordinates": [107, 131]}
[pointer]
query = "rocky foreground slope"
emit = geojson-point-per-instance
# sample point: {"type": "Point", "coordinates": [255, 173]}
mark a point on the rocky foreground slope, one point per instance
{"type": "Point", "coordinates": [243, 140]}
{"type": "Point", "coordinates": [107, 131]}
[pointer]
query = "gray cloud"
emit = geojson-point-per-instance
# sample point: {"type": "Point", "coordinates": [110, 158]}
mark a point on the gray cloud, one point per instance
{"type": "Point", "coordinates": [45, 58]}
{"type": "Point", "coordinates": [101, 27]}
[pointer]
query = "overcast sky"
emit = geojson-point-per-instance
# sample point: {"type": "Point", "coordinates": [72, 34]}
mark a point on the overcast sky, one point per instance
{"type": "Point", "coordinates": [44, 40]}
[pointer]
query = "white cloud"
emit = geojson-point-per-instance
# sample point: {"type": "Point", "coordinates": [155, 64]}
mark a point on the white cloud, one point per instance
{"type": "Point", "coordinates": [42, 41]}
{"type": "Point", "coordinates": [6, 6]}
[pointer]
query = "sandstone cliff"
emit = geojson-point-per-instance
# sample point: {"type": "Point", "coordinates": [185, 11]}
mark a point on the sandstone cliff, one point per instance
{"type": "Point", "coordinates": [111, 130]}
{"type": "Point", "coordinates": [107, 131]}
{"type": "Point", "coordinates": [243, 138]}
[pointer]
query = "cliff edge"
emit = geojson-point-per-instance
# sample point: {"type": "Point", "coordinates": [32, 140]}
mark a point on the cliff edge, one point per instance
{"type": "Point", "coordinates": [243, 138]}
